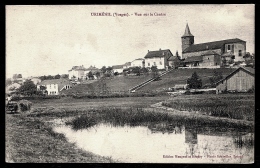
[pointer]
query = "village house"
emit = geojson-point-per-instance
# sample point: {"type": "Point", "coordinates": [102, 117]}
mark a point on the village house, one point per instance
{"type": "Point", "coordinates": [175, 61]}
{"type": "Point", "coordinates": [54, 86]}
{"type": "Point", "coordinates": [240, 80]}
{"type": "Point", "coordinates": [92, 69]}
{"type": "Point", "coordinates": [118, 68]}
{"type": "Point", "coordinates": [212, 53]}
{"type": "Point", "coordinates": [35, 80]}
{"type": "Point", "coordinates": [77, 72]}
{"type": "Point", "coordinates": [158, 58]}
{"type": "Point", "coordinates": [139, 62]}
{"type": "Point", "coordinates": [127, 65]}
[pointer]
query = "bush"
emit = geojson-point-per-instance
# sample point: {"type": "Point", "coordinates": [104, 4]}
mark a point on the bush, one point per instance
{"type": "Point", "coordinates": [25, 105]}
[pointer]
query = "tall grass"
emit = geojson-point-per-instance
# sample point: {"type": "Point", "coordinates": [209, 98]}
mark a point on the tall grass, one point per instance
{"type": "Point", "coordinates": [139, 117]}
{"type": "Point", "coordinates": [235, 107]}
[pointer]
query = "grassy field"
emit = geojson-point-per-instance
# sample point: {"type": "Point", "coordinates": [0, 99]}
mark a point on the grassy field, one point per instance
{"type": "Point", "coordinates": [235, 106]}
{"type": "Point", "coordinates": [117, 83]}
{"type": "Point", "coordinates": [180, 76]}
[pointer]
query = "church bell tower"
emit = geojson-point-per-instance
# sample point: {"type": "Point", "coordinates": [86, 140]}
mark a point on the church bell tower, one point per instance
{"type": "Point", "coordinates": [187, 39]}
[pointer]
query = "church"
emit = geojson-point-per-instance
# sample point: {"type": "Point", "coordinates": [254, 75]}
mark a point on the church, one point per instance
{"type": "Point", "coordinates": [211, 54]}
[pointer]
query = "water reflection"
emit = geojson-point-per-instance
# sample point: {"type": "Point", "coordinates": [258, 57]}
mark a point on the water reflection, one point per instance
{"type": "Point", "coordinates": [162, 143]}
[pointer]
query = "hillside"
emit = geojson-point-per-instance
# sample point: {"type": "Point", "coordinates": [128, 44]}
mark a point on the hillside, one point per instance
{"type": "Point", "coordinates": [180, 76]}
{"type": "Point", "coordinates": [118, 83]}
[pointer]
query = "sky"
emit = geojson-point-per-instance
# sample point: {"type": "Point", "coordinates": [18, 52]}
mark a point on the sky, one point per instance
{"type": "Point", "coordinates": [49, 40]}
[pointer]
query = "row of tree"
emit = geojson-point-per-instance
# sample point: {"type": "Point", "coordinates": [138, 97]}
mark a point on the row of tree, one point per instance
{"type": "Point", "coordinates": [53, 77]}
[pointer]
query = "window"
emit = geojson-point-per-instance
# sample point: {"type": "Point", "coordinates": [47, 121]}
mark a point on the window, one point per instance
{"type": "Point", "coordinates": [54, 86]}
{"type": "Point", "coordinates": [148, 64]}
{"type": "Point", "coordinates": [50, 85]}
{"type": "Point", "coordinates": [239, 52]}
{"type": "Point", "coordinates": [228, 47]}
{"type": "Point", "coordinates": [154, 63]}
{"type": "Point", "coordinates": [160, 62]}
{"type": "Point", "coordinates": [208, 58]}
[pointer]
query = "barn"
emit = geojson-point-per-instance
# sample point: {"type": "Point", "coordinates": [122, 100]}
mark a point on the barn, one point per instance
{"type": "Point", "coordinates": [240, 80]}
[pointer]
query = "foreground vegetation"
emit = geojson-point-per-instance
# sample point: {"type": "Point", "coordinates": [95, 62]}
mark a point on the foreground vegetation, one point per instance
{"type": "Point", "coordinates": [32, 140]}
{"type": "Point", "coordinates": [235, 106]}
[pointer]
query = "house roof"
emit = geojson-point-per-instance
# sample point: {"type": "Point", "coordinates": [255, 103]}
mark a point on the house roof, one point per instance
{"type": "Point", "coordinates": [139, 59]}
{"type": "Point", "coordinates": [77, 68]}
{"type": "Point", "coordinates": [117, 66]}
{"type": "Point", "coordinates": [159, 53]}
{"type": "Point", "coordinates": [193, 59]}
{"type": "Point", "coordinates": [61, 82]}
{"type": "Point", "coordinates": [210, 45]}
{"type": "Point", "coordinates": [92, 68]}
{"type": "Point", "coordinates": [187, 32]}
{"type": "Point", "coordinates": [127, 64]}
{"type": "Point", "coordinates": [249, 70]}
{"type": "Point", "coordinates": [210, 53]}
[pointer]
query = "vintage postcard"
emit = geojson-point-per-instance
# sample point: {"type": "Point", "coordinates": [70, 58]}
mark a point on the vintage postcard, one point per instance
{"type": "Point", "coordinates": [130, 83]}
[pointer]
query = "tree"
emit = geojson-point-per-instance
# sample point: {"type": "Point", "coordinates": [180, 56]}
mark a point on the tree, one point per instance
{"type": "Point", "coordinates": [144, 70]}
{"type": "Point", "coordinates": [155, 72]}
{"type": "Point", "coordinates": [97, 74]}
{"type": "Point", "coordinates": [43, 78]}
{"type": "Point", "coordinates": [103, 69]}
{"type": "Point", "coordinates": [57, 76]}
{"type": "Point", "coordinates": [19, 76]}
{"type": "Point", "coordinates": [65, 76]}
{"type": "Point", "coordinates": [14, 76]}
{"type": "Point", "coordinates": [90, 75]}
{"type": "Point", "coordinates": [217, 76]}
{"type": "Point", "coordinates": [49, 77]}
{"type": "Point", "coordinates": [194, 82]}
{"type": "Point", "coordinates": [8, 82]}
{"type": "Point", "coordinates": [137, 70]}
{"type": "Point", "coordinates": [28, 88]}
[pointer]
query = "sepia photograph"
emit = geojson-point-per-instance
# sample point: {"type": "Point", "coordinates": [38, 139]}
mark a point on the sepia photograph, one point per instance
{"type": "Point", "coordinates": [130, 83]}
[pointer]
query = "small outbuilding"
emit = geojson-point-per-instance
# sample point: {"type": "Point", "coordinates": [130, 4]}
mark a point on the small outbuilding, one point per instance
{"type": "Point", "coordinates": [240, 80]}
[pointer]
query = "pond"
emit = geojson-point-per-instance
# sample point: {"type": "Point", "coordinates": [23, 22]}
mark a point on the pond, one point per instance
{"type": "Point", "coordinates": [176, 144]}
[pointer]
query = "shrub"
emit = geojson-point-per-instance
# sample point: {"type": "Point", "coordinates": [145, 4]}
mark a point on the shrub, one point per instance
{"type": "Point", "coordinates": [25, 105]}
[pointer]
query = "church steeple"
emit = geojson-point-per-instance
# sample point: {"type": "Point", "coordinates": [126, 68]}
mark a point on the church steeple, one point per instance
{"type": "Point", "coordinates": [187, 32]}
{"type": "Point", "coordinates": [187, 39]}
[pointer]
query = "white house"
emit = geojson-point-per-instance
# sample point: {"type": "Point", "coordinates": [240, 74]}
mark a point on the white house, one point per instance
{"type": "Point", "coordinates": [138, 62]}
{"type": "Point", "coordinates": [127, 65]}
{"type": "Point", "coordinates": [157, 58]}
{"type": "Point", "coordinates": [54, 86]}
{"type": "Point", "coordinates": [77, 72]}
{"type": "Point", "coordinates": [118, 68]}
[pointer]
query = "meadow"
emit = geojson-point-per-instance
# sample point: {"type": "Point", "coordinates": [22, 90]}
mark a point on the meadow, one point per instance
{"type": "Point", "coordinates": [234, 106]}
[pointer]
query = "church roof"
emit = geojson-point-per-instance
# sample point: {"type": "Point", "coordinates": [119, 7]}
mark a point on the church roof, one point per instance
{"type": "Point", "coordinates": [193, 59]}
{"type": "Point", "coordinates": [187, 31]}
{"type": "Point", "coordinates": [210, 45]}
{"type": "Point", "coordinates": [159, 53]}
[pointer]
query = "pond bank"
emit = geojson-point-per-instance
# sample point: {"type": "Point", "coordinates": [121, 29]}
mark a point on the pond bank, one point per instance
{"type": "Point", "coordinates": [32, 140]}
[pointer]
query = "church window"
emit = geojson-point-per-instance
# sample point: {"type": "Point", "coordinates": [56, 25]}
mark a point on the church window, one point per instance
{"type": "Point", "coordinates": [239, 52]}
{"type": "Point", "coordinates": [208, 58]}
{"type": "Point", "coordinates": [148, 64]}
